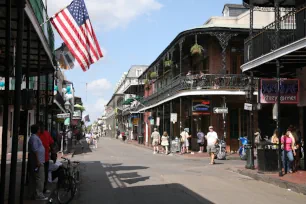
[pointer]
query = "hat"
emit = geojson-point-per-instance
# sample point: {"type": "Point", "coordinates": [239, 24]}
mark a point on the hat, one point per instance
{"type": "Point", "coordinates": [186, 129]}
{"type": "Point", "coordinates": [211, 127]}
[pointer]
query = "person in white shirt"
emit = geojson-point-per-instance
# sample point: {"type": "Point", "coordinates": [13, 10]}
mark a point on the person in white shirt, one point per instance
{"type": "Point", "coordinates": [212, 139]}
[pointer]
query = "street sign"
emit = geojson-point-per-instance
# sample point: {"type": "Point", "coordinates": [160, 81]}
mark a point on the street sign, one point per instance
{"type": "Point", "coordinates": [173, 117]}
{"type": "Point", "coordinates": [248, 106]}
{"type": "Point", "coordinates": [220, 110]}
{"type": "Point", "coordinates": [64, 115]}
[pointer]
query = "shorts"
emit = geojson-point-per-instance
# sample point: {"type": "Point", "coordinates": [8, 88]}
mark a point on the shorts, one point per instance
{"type": "Point", "coordinates": [211, 148]}
{"type": "Point", "coordinates": [201, 144]}
{"type": "Point", "coordinates": [155, 142]}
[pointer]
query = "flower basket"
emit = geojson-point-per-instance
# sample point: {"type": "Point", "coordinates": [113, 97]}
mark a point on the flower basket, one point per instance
{"type": "Point", "coordinates": [147, 87]}
{"type": "Point", "coordinates": [153, 75]}
{"type": "Point", "coordinates": [196, 49]}
{"type": "Point", "coordinates": [146, 81]}
{"type": "Point", "coordinates": [168, 63]}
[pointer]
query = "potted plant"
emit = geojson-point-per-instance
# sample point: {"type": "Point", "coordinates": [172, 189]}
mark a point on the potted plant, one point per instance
{"type": "Point", "coordinates": [168, 63]}
{"type": "Point", "coordinates": [153, 75]}
{"type": "Point", "coordinates": [196, 49]}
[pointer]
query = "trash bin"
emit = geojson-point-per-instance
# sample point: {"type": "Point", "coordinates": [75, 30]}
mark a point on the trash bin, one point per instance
{"type": "Point", "coordinates": [140, 139]}
{"type": "Point", "coordinates": [175, 145]}
{"type": "Point", "coordinates": [267, 157]}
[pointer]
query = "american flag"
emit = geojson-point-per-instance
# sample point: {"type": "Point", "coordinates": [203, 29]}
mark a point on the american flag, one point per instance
{"type": "Point", "coordinates": [74, 26]}
{"type": "Point", "coordinates": [86, 118]}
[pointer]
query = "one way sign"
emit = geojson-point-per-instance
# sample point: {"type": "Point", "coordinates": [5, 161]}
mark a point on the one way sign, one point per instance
{"type": "Point", "coordinates": [220, 110]}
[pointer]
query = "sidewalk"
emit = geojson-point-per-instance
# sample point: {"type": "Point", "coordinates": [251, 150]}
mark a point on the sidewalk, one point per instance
{"type": "Point", "coordinates": [293, 182]}
{"type": "Point", "coordinates": [193, 154]}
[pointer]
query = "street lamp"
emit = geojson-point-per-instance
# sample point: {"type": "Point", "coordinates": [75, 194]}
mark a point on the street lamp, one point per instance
{"type": "Point", "coordinates": [68, 109]}
{"type": "Point", "coordinates": [250, 99]}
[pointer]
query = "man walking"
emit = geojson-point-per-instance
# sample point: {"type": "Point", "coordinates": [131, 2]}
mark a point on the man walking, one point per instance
{"type": "Point", "coordinates": [155, 140]}
{"type": "Point", "coordinates": [212, 139]}
{"type": "Point", "coordinates": [36, 165]}
{"type": "Point", "coordinates": [47, 141]}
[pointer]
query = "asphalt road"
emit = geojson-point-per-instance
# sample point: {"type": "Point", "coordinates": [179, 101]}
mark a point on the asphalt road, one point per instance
{"type": "Point", "coordinates": [120, 173]}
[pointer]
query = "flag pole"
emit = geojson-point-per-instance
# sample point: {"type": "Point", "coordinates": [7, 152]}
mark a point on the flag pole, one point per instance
{"type": "Point", "coordinates": [48, 19]}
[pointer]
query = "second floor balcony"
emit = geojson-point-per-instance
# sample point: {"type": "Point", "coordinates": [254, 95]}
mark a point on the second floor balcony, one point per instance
{"type": "Point", "coordinates": [283, 39]}
{"type": "Point", "coordinates": [221, 84]}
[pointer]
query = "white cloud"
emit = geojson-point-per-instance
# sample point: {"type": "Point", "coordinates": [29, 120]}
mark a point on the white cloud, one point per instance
{"type": "Point", "coordinates": [95, 110]}
{"type": "Point", "coordinates": [98, 87]}
{"type": "Point", "coordinates": [111, 14]}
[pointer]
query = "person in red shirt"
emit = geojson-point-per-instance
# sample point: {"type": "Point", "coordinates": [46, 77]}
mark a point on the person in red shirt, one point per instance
{"type": "Point", "coordinates": [47, 141]}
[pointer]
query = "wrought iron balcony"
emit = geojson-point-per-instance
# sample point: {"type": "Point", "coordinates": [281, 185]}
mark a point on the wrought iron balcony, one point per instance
{"type": "Point", "coordinates": [41, 15]}
{"type": "Point", "coordinates": [215, 82]}
{"type": "Point", "coordinates": [291, 29]}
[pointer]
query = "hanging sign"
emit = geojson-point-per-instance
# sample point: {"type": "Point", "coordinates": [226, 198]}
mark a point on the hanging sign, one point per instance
{"type": "Point", "coordinates": [158, 121]}
{"type": "Point", "coordinates": [152, 121]}
{"type": "Point", "coordinates": [289, 91]}
{"type": "Point", "coordinates": [173, 117]}
{"type": "Point", "coordinates": [135, 121]}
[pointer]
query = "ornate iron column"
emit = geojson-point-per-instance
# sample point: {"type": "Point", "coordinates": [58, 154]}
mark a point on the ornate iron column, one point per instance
{"type": "Point", "coordinates": [46, 100]}
{"type": "Point", "coordinates": [38, 85]}
{"type": "Point", "coordinates": [181, 53]}
{"type": "Point", "coordinates": [24, 152]}
{"type": "Point", "coordinates": [6, 98]}
{"type": "Point", "coordinates": [223, 38]}
{"type": "Point", "coordinates": [278, 65]}
{"type": "Point", "coordinates": [17, 99]}
{"type": "Point", "coordinates": [251, 28]}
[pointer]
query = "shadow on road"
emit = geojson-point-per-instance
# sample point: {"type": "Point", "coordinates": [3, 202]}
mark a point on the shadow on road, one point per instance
{"type": "Point", "coordinates": [116, 184]}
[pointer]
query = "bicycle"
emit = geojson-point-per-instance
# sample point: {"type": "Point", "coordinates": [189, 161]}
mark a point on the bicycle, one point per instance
{"type": "Point", "coordinates": [68, 182]}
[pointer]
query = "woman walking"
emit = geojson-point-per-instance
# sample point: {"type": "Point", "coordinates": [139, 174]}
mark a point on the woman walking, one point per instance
{"type": "Point", "coordinates": [287, 141]}
{"type": "Point", "coordinates": [165, 141]}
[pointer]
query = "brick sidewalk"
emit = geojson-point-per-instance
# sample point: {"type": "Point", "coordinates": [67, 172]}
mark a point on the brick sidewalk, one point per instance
{"type": "Point", "coordinates": [294, 182]}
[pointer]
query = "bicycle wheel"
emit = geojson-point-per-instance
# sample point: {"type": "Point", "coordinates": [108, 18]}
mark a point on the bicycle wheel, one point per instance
{"type": "Point", "coordinates": [66, 190]}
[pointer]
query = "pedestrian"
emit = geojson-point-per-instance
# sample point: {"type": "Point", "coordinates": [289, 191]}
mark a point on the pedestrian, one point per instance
{"type": "Point", "coordinates": [47, 142]}
{"type": "Point", "coordinates": [287, 141]}
{"type": "Point", "coordinates": [200, 136]}
{"type": "Point", "coordinates": [274, 139]}
{"type": "Point", "coordinates": [184, 140]}
{"type": "Point", "coordinates": [212, 139]}
{"type": "Point", "coordinates": [155, 137]}
{"type": "Point", "coordinates": [36, 160]}
{"type": "Point", "coordinates": [165, 141]}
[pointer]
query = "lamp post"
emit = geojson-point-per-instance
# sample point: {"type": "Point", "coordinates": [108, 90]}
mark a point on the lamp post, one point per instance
{"type": "Point", "coordinates": [250, 98]}
{"type": "Point", "coordinates": [67, 107]}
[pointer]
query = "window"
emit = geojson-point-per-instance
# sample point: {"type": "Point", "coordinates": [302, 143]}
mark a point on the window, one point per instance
{"type": "Point", "coordinates": [138, 72]}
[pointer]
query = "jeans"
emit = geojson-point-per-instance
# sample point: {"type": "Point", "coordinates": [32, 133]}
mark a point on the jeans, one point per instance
{"type": "Point", "coordinates": [287, 160]}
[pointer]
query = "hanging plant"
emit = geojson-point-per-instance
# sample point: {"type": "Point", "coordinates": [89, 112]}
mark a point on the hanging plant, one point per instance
{"type": "Point", "coordinates": [168, 63]}
{"type": "Point", "coordinates": [153, 75]}
{"type": "Point", "coordinates": [196, 49]}
{"type": "Point", "coordinates": [146, 81]}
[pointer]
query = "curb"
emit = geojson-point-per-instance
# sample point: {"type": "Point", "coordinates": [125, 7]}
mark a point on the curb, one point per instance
{"type": "Point", "coordinates": [298, 188]}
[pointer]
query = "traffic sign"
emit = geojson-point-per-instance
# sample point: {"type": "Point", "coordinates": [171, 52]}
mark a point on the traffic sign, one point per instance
{"type": "Point", "coordinates": [248, 106]}
{"type": "Point", "coordinates": [220, 110]}
{"type": "Point", "coordinates": [64, 115]}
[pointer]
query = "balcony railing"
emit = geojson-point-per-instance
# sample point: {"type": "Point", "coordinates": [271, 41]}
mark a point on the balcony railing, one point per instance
{"type": "Point", "coordinates": [41, 15]}
{"type": "Point", "coordinates": [195, 82]}
{"type": "Point", "coordinates": [292, 28]}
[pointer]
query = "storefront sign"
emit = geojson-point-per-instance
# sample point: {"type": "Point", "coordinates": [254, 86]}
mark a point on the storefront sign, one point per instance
{"type": "Point", "coordinates": [64, 115]}
{"type": "Point", "coordinates": [201, 107]}
{"type": "Point", "coordinates": [289, 91]}
{"type": "Point", "coordinates": [135, 121]}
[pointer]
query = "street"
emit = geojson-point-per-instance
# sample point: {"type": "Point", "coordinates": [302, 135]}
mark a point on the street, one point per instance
{"type": "Point", "coordinates": [118, 173]}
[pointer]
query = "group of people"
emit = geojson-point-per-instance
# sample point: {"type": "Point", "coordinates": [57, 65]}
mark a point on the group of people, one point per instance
{"type": "Point", "coordinates": [291, 143]}
{"type": "Point", "coordinates": [91, 138]}
{"type": "Point", "coordinates": [211, 137]}
{"type": "Point", "coordinates": [41, 147]}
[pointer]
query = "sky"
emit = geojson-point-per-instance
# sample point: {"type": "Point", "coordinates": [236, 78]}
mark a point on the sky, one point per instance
{"type": "Point", "coordinates": [130, 32]}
